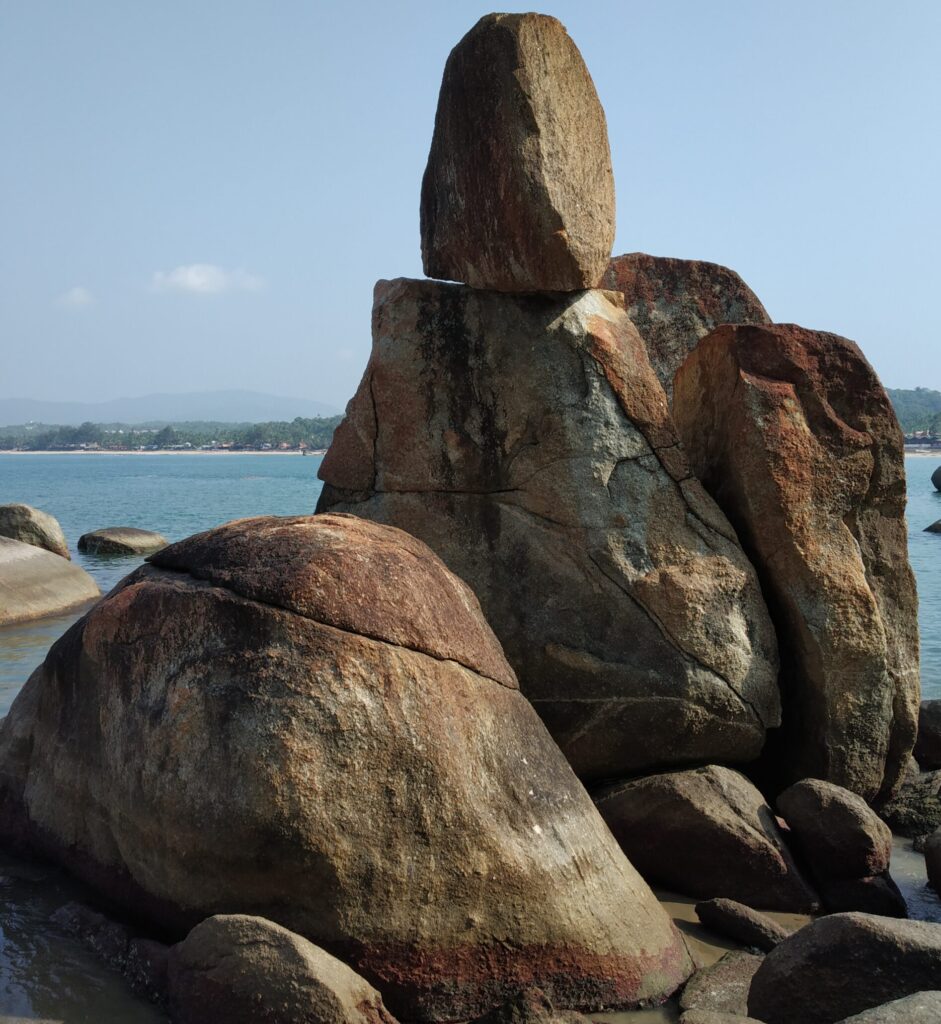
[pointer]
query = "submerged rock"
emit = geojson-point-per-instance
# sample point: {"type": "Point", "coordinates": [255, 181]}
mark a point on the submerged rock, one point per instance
{"type": "Point", "coordinates": [840, 965]}
{"type": "Point", "coordinates": [121, 540]}
{"type": "Point", "coordinates": [706, 832]}
{"type": "Point", "coordinates": [518, 194]}
{"type": "Point", "coordinates": [236, 969]}
{"type": "Point", "coordinates": [35, 582]}
{"type": "Point", "coordinates": [674, 303]}
{"type": "Point", "coordinates": [792, 433]}
{"type": "Point", "coordinates": [527, 441]}
{"type": "Point", "coordinates": [32, 526]}
{"type": "Point", "coordinates": [309, 719]}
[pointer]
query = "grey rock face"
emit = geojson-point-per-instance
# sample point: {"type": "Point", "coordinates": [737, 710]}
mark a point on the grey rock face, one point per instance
{"type": "Point", "coordinates": [32, 526]}
{"type": "Point", "coordinates": [844, 964]}
{"type": "Point", "coordinates": [35, 583]}
{"type": "Point", "coordinates": [518, 194]}
{"type": "Point", "coordinates": [920, 1008]}
{"type": "Point", "coordinates": [708, 833]}
{"type": "Point", "coordinates": [527, 441]}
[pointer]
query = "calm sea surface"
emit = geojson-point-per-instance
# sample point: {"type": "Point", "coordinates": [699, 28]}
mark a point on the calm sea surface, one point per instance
{"type": "Point", "coordinates": [46, 977]}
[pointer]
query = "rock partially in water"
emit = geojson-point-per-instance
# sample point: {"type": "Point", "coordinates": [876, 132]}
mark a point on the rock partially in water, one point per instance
{"type": "Point", "coordinates": [843, 964]}
{"type": "Point", "coordinates": [936, 478]}
{"type": "Point", "coordinates": [674, 303]}
{"type": "Point", "coordinates": [309, 719]}
{"type": "Point", "coordinates": [915, 810]}
{"type": "Point", "coordinates": [518, 194]}
{"type": "Point", "coordinates": [35, 583]}
{"type": "Point", "coordinates": [32, 526]}
{"type": "Point", "coordinates": [795, 437]}
{"type": "Point", "coordinates": [237, 969]}
{"type": "Point", "coordinates": [934, 528]}
{"type": "Point", "coordinates": [121, 540]}
{"type": "Point", "coordinates": [706, 832]}
{"type": "Point", "coordinates": [737, 921]}
{"type": "Point", "coordinates": [723, 987]}
{"type": "Point", "coordinates": [927, 750]}
{"type": "Point", "coordinates": [527, 441]}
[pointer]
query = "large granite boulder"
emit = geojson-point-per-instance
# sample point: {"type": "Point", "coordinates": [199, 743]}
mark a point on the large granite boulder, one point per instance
{"type": "Point", "coordinates": [308, 719]}
{"type": "Point", "coordinates": [35, 582]}
{"type": "Point", "coordinates": [121, 540]}
{"type": "Point", "coordinates": [237, 969]}
{"type": "Point", "coordinates": [706, 832]}
{"type": "Point", "coordinates": [518, 194]}
{"type": "Point", "coordinates": [33, 526]}
{"type": "Point", "coordinates": [927, 750]}
{"type": "Point", "coordinates": [792, 433]}
{"type": "Point", "coordinates": [526, 440]}
{"type": "Point", "coordinates": [843, 964]}
{"type": "Point", "coordinates": [674, 303]}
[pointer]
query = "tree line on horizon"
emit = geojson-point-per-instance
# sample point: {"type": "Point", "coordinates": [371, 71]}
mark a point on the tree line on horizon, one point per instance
{"type": "Point", "coordinates": [314, 433]}
{"type": "Point", "coordinates": [918, 410]}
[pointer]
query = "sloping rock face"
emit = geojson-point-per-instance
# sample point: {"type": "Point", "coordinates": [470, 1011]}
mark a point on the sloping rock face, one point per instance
{"type": "Point", "coordinates": [33, 526]}
{"type": "Point", "coordinates": [518, 194]}
{"type": "Point", "coordinates": [844, 964]}
{"type": "Point", "coordinates": [706, 832]}
{"type": "Point", "coordinates": [237, 969]}
{"type": "Point", "coordinates": [674, 303]}
{"type": "Point", "coordinates": [307, 719]}
{"type": "Point", "coordinates": [526, 440]}
{"type": "Point", "coordinates": [35, 582]}
{"type": "Point", "coordinates": [792, 433]}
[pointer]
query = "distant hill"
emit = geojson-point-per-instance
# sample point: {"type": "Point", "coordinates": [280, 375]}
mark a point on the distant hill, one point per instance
{"type": "Point", "coordinates": [917, 409]}
{"type": "Point", "coordinates": [159, 409]}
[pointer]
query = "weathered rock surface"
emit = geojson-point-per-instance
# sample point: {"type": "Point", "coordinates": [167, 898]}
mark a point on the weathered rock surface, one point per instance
{"type": "Point", "coordinates": [35, 582]}
{"type": "Point", "coordinates": [33, 526]}
{"type": "Point", "coordinates": [722, 987]}
{"type": "Point", "coordinates": [792, 433]}
{"type": "Point", "coordinates": [927, 750]}
{"type": "Point", "coordinates": [237, 969]}
{"type": "Point", "coordinates": [838, 833]}
{"type": "Point", "coordinates": [121, 540]}
{"type": "Point", "coordinates": [674, 303]}
{"type": "Point", "coordinates": [736, 921]}
{"type": "Point", "coordinates": [843, 964]}
{"type": "Point", "coordinates": [920, 1008]}
{"type": "Point", "coordinates": [526, 440]}
{"type": "Point", "coordinates": [518, 194]}
{"type": "Point", "coordinates": [915, 810]}
{"type": "Point", "coordinates": [308, 719]}
{"type": "Point", "coordinates": [933, 859]}
{"type": "Point", "coordinates": [708, 833]}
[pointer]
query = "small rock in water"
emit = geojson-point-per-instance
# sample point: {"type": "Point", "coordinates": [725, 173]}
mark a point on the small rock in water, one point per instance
{"type": "Point", "coordinates": [518, 194]}
{"type": "Point", "coordinates": [739, 922]}
{"type": "Point", "coordinates": [121, 540]}
{"type": "Point", "coordinates": [936, 478]}
{"type": "Point", "coordinates": [934, 528]}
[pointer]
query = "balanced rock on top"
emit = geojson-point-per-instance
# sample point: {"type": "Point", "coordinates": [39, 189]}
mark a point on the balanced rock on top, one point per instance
{"type": "Point", "coordinates": [518, 194]}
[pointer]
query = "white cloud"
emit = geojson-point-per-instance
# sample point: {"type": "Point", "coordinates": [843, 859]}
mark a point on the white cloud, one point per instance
{"type": "Point", "coordinates": [76, 298]}
{"type": "Point", "coordinates": [205, 279]}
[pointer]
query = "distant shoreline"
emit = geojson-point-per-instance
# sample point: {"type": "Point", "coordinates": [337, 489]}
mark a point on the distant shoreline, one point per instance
{"type": "Point", "coordinates": [161, 451]}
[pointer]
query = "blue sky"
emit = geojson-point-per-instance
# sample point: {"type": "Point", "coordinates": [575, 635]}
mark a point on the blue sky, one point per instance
{"type": "Point", "coordinates": [201, 195]}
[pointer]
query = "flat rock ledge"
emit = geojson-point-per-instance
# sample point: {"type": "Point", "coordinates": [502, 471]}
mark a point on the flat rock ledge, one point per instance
{"type": "Point", "coordinates": [121, 540]}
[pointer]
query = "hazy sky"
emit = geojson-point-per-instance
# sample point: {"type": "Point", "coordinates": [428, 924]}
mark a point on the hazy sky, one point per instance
{"type": "Point", "coordinates": [200, 195]}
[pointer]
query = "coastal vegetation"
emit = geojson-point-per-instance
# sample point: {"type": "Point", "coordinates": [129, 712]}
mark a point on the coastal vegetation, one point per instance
{"type": "Point", "coordinates": [314, 434]}
{"type": "Point", "coordinates": [918, 410]}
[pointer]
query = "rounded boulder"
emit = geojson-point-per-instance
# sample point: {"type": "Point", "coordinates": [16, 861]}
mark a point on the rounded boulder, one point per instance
{"type": "Point", "coordinates": [33, 526]}
{"type": "Point", "coordinates": [308, 719]}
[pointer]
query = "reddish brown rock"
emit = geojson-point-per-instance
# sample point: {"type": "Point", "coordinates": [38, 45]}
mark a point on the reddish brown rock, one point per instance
{"type": "Point", "coordinates": [792, 433]}
{"type": "Point", "coordinates": [527, 441]}
{"type": "Point", "coordinates": [307, 719]}
{"type": "Point", "coordinates": [674, 303]}
{"type": "Point", "coordinates": [706, 833]}
{"type": "Point", "coordinates": [518, 194]}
